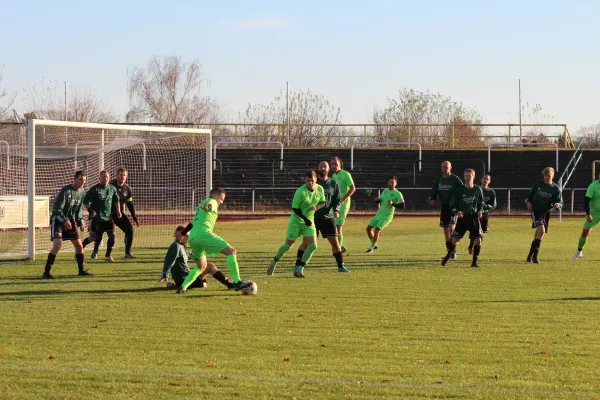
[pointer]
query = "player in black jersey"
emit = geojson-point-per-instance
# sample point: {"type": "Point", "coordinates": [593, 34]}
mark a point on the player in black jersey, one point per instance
{"type": "Point", "coordinates": [126, 199]}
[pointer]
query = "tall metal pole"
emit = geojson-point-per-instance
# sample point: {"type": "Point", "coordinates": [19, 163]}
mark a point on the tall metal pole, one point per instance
{"type": "Point", "coordinates": [520, 112]}
{"type": "Point", "coordinates": [287, 109]}
{"type": "Point", "coordinates": [65, 100]}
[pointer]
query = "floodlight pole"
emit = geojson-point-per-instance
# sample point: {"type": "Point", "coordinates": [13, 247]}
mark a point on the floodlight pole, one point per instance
{"type": "Point", "coordinates": [520, 116]}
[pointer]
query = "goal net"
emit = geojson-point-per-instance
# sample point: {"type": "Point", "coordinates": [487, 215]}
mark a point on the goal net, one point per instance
{"type": "Point", "coordinates": [169, 172]}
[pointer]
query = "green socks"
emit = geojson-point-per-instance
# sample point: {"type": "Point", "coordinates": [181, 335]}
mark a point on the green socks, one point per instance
{"type": "Point", "coordinates": [310, 249]}
{"type": "Point", "coordinates": [582, 242]}
{"type": "Point", "coordinates": [341, 238]}
{"type": "Point", "coordinates": [232, 264]}
{"type": "Point", "coordinates": [282, 250]}
{"type": "Point", "coordinates": [373, 243]}
{"type": "Point", "coordinates": [192, 276]}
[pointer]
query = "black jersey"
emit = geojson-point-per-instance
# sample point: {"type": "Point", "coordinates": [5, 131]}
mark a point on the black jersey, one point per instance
{"type": "Point", "coordinates": [124, 193]}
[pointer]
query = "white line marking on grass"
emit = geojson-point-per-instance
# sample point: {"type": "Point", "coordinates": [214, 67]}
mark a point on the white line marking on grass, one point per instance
{"type": "Point", "coordinates": [303, 380]}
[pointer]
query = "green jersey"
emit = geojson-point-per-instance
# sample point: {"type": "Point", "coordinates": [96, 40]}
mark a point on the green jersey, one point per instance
{"type": "Point", "coordinates": [593, 193]}
{"type": "Point", "coordinates": [101, 198]}
{"type": "Point", "coordinates": [332, 198]}
{"type": "Point", "coordinates": [543, 195]}
{"type": "Point", "coordinates": [344, 179]}
{"type": "Point", "coordinates": [445, 188]}
{"type": "Point", "coordinates": [489, 200]}
{"type": "Point", "coordinates": [305, 199]}
{"type": "Point", "coordinates": [387, 210]}
{"type": "Point", "coordinates": [467, 200]}
{"type": "Point", "coordinates": [176, 262]}
{"type": "Point", "coordinates": [68, 205]}
{"type": "Point", "coordinates": [204, 221]}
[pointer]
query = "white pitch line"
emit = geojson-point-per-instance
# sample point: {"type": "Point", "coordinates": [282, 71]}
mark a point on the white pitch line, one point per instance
{"type": "Point", "coordinates": [303, 380]}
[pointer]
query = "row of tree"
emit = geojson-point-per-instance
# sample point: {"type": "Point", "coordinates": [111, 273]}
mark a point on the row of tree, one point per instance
{"type": "Point", "coordinates": [168, 91]}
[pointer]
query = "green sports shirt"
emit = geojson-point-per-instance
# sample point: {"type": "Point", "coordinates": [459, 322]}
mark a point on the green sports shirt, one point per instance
{"type": "Point", "coordinates": [176, 262]}
{"type": "Point", "coordinates": [444, 188]}
{"type": "Point", "coordinates": [332, 198]}
{"type": "Point", "coordinates": [489, 199]}
{"type": "Point", "coordinates": [344, 179]}
{"type": "Point", "coordinates": [305, 199]}
{"type": "Point", "coordinates": [593, 193]}
{"type": "Point", "coordinates": [101, 199]}
{"type": "Point", "coordinates": [69, 204]}
{"type": "Point", "coordinates": [204, 221]}
{"type": "Point", "coordinates": [467, 200]}
{"type": "Point", "coordinates": [387, 210]}
{"type": "Point", "coordinates": [543, 195]}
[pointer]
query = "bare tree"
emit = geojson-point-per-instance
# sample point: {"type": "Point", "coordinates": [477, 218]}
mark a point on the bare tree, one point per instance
{"type": "Point", "coordinates": [308, 116]}
{"type": "Point", "coordinates": [82, 104]}
{"type": "Point", "coordinates": [414, 108]}
{"type": "Point", "coordinates": [591, 136]}
{"type": "Point", "coordinates": [168, 91]}
{"type": "Point", "coordinates": [6, 99]}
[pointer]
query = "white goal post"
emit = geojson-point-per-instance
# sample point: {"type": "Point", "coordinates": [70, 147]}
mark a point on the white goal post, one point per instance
{"type": "Point", "coordinates": [180, 169]}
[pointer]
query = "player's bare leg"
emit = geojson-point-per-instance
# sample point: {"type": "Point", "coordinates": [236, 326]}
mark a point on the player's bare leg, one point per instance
{"type": "Point", "coordinates": [373, 233]}
{"type": "Point", "coordinates": [448, 237]}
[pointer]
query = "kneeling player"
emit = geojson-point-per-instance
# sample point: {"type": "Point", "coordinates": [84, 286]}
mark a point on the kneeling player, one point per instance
{"type": "Point", "coordinates": [176, 263]}
{"type": "Point", "coordinates": [390, 199]}
{"type": "Point", "coordinates": [467, 205]}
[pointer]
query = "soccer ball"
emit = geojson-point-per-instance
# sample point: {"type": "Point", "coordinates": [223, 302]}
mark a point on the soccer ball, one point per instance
{"type": "Point", "coordinates": [250, 290]}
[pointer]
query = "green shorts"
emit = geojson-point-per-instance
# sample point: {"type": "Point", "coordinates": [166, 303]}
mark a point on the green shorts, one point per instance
{"type": "Point", "coordinates": [380, 222]}
{"type": "Point", "coordinates": [344, 210]}
{"type": "Point", "coordinates": [206, 244]}
{"type": "Point", "coordinates": [298, 229]}
{"type": "Point", "coordinates": [589, 225]}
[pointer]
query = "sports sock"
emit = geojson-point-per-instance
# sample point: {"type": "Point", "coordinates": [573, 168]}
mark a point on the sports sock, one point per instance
{"type": "Point", "coordinates": [80, 261]}
{"type": "Point", "coordinates": [476, 251]}
{"type": "Point", "coordinates": [532, 248]}
{"type": "Point", "coordinates": [449, 245]}
{"type": "Point", "coordinates": [97, 245]}
{"type": "Point", "coordinates": [194, 273]}
{"type": "Point", "coordinates": [310, 249]}
{"type": "Point", "coordinates": [222, 278]}
{"type": "Point", "coordinates": [234, 268]}
{"type": "Point", "coordinates": [86, 241]}
{"type": "Point", "coordinates": [281, 251]}
{"type": "Point", "coordinates": [582, 242]}
{"type": "Point", "coordinates": [341, 238]}
{"type": "Point", "coordinates": [50, 262]}
{"type": "Point", "coordinates": [339, 259]}
{"type": "Point", "coordinates": [299, 255]}
{"type": "Point", "coordinates": [128, 242]}
{"type": "Point", "coordinates": [537, 244]}
{"type": "Point", "coordinates": [373, 243]}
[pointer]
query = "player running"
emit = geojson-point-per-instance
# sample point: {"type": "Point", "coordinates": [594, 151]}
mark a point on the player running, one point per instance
{"type": "Point", "coordinates": [347, 189]}
{"type": "Point", "coordinates": [102, 199]}
{"type": "Point", "coordinates": [325, 217]}
{"type": "Point", "coordinates": [444, 187]}
{"type": "Point", "coordinates": [591, 204]}
{"type": "Point", "coordinates": [489, 204]}
{"type": "Point", "coordinates": [204, 242]}
{"type": "Point", "coordinates": [66, 217]}
{"type": "Point", "coordinates": [544, 196]}
{"type": "Point", "coordinates": [308, 198]}
{"type": "Point", "coordinates": [467, 205]}
{"type": "Point", "coordinates": [390, 199]}
{"type": "Point", "coordinates": [176, 263]}
{"type": "Point", "coordinates": [125, 199]}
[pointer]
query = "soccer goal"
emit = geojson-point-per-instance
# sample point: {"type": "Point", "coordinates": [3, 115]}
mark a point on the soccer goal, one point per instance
{"type": "Point", "coordinates": [169, 172]}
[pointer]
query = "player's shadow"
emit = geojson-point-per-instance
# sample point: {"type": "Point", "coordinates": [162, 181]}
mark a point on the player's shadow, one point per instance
{"type": "Point", "coordinates": [536, 300]}
{"type": "Point", "coordinates": [54, 293]}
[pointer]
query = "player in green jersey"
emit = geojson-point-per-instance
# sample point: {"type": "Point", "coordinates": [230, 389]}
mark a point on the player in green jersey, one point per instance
{"type": "Point", "coordinates": [389, 200]}
{"type": "Point", "coordinates": [176, 263]}
{"type": "Point", "coordinates": [204, 242]}
{"type": "Point", "coordinates": [467, 205]}
{"type": "Point", "coordinates": [443, 188]}
{"type": "Point", "coordinates": [66, 217]}
{"type": "Point", "coordinates": [347, 189]}
{"type": "Point", "coordinates": [101, 199]}
{"type": "Point", "coordinates": [308, 198]}
{"type": "Point", "coordinates": [325, 217]}
{"type": "Point", "coordinates": [489, 204]}
{"type": "Point", "coordinates": [543, 197]}
{"type": "Point", "coordinates": [591, 203]}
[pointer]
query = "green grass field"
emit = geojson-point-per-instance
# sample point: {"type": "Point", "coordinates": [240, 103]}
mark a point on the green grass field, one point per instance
{"type": "Point", "coordinates": [398, 326]}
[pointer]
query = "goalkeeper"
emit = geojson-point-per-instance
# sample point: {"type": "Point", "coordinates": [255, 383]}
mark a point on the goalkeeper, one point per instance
{"type": "Point", "coordinates": [176, 263]}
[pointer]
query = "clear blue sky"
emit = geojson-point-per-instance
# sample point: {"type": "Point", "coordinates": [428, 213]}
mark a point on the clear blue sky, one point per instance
{"type": "Point", "coordinates": [355, 53]}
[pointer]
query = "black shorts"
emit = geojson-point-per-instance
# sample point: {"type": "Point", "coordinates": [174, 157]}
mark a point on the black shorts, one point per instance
{"type": "Point", "coordinates": [98, 227]}
{"type": "Point", "coordinates": [446, 217]}
{"type": "Point", "coordinates": [58, 231]}
{"type": "Point", "coordinates": [468, 223]}
{"type": "Point", "coordinates": [123, 223]}
{"type": "Point", "coordinates": [326, 226]}
{"type": "Point", "coordinates": [540, 219]}
{"type": "Point", "coordinates": [485, 223]}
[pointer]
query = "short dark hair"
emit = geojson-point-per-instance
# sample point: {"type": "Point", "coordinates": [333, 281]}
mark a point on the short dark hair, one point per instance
{"type": "Point", "coordinates": [179, 228]}
{"type": "Point", "coordinates": [104, 171]}
{"type": "Point", "coordinates": [394, 177]}
{"type": "Point", "coordinates": [79, 173]}
{"type": "Point", "coordinates": [311, 174]}
{"type": "Point", "coordinates": [216, 191]}
{"type": "Point", "coordinates": [471, 170]}
{"type": "Point", "coordinates": [339, 160]}
{"type": "Point", "coordinates": [488, 174]}
{"type": "Point", "coordinates": [122, 169]}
